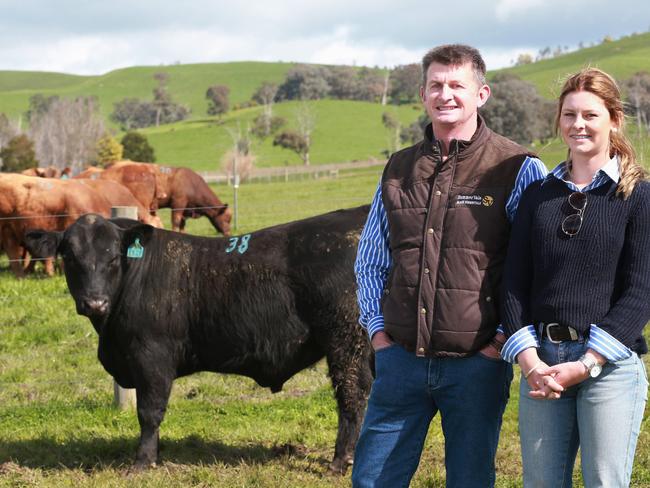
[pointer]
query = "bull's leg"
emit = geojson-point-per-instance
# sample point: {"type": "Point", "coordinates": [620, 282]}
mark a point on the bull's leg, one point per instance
{"type": "Point", "coordinates": [48, 264]}
{"type": "Point", "coordinates": [15, 253]}
{"type": "Point", "coordinates": [177, 220]}
{"type": "Point", "coordinates": [152, 394]}
{"type": "Point", "coordinates": [349, 367]}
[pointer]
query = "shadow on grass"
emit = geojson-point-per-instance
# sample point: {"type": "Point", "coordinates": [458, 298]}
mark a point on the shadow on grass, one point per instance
{"type": "Point", "coordinates": [119, 453]}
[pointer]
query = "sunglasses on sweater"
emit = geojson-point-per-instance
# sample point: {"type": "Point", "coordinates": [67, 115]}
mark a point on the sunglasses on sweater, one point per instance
{"type": "Point", "coordinates": [572, 223]}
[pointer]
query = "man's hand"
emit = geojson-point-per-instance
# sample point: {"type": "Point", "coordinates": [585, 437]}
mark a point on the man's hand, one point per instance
{"type": "Point", "coordinates": [491, 351]}
{"type": "Point", "coordinates": [381, 340]}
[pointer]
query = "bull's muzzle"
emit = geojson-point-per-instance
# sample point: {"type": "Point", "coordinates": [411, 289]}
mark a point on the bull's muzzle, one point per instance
{"type": "Point", "coordinates": [94, 306]}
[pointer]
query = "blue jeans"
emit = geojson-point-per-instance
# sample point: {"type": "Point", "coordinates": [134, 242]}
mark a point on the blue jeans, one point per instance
{"type": "Point", "coordinates": [471, 395]}
{"type": "Point", "coordinates": [601, 415]}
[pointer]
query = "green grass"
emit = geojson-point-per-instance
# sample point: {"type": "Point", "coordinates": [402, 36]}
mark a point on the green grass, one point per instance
{"type": "Point", "coordinates": [355, 126]}
{"type": "Point", "coordinates": [57, 426]}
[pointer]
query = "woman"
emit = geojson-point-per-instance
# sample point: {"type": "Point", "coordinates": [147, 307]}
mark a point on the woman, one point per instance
{"type": "Point", "coordinates": [577, 296]}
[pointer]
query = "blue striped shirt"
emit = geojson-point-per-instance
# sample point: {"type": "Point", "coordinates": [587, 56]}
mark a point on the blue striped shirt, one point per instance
{"type": "Point", "coordinates": [373, 256]}
{"type": "Point", "coordinates": [599, 340]}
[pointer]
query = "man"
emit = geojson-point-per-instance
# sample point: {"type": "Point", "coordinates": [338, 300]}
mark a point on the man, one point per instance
{"type": "Point", "coordinates": [428, 271]}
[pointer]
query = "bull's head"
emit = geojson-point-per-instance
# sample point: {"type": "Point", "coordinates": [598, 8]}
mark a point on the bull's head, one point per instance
{"type": "Point", "coordinates": [94, 252]}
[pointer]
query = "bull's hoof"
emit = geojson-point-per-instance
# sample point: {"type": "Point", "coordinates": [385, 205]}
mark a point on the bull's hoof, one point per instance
{"type": "Point", "coordinates": [340, 466]}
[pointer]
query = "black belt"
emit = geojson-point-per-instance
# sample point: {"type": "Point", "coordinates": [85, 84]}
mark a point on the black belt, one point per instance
{"type": "Point", "coordinates": [555, 332]}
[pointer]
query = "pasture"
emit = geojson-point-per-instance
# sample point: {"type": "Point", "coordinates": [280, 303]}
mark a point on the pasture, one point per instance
{"type": "Point", "coordinates": [57, 426]}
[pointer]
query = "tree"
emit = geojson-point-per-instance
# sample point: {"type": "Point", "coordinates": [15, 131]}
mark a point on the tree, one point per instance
{"type": "Point", "coordinates": [263, 126]}
{"type": "Point", "coordinates": [516, 110]}
{"type": "Point", "coordinates": [239, 161]}
{"type": "Point", "coordinates": [137, 148]}
{"type": "Point", "coordinates": [109, 150]}
{"type": "Point", "coordinates": [637, 89]}
{"type": "Point", "coordinates": [524, 58]}
{"type": "Point", "coordinates": [414, 132]}
{"type": "Point", "coordinates": [217, 96]}
{"type": "Point", "coordinates": [38, 105]}
{"type": "Point", "coordinates": [18, 154]}
{"type": "Point", "coordinates": [394, 126]}
{"type": "Point", "coordinates": [299, 141]}
{"type": "Point", "coordinates": [372, 85]}
{"type": "Point", "coordinates": [343, 82]}
{"type": "Point", "coordinates": [131, 113]}
{"type": "Point", "coordinates": [304, 82]}
{"type": "Point", "coordinates": [7, 130]}
{"type": "Point", "coordinates": [405, 83]}
{"type": "Point", "coordinates": [265, 95]}
{"type": "Point", "coordinates": [67, 133]}
{"type": "Point", "coordinates": [290, 139]}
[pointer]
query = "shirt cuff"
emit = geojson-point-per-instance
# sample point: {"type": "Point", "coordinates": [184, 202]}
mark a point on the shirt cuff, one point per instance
{"type": "Point", "coordinates": [604, 343]}
{"type": "Point", "coordinates": [375, 324]}
{"type": "Point", "coordinates": [519, 341]}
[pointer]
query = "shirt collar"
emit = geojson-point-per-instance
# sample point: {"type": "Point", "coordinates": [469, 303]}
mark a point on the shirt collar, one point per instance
{"type": "Point", "coordinates": [610, 169]}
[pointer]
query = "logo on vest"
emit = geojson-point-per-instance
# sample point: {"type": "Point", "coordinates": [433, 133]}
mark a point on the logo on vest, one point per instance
{"type": "Point", "coordinates": [488, 200]}
{"type": "Point", "coordinates": [474, 200]}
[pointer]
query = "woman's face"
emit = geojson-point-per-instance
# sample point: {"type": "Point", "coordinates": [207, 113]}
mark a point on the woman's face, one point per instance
{"type": "Point", "coordinates": [585, 124]}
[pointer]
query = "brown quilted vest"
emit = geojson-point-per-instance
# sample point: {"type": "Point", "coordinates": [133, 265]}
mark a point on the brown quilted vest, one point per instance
{"type": "Point", "coordinates": [448, 234]}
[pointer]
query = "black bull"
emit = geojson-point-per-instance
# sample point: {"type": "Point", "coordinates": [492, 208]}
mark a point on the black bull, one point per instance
{"type": "Point", "coordinates": [265, 305]}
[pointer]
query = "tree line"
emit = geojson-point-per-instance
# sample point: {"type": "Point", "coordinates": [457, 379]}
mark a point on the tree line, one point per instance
{"type": "Point", "coordinates": [65, 132]}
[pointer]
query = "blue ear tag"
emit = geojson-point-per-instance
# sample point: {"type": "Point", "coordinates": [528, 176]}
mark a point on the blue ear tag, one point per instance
{"type": "Point", "coordinates": [135, 250]}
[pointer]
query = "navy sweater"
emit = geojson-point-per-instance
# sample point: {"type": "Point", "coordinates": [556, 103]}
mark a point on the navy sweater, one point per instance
{"type": "Point", "coordinates": [599, 276]}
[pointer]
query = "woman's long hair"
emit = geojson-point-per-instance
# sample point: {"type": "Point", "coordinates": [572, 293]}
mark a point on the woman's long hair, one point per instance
{"type": "Point", "coordinates": [603, 86]}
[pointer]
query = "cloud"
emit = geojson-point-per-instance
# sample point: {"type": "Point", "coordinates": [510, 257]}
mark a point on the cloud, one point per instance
{"type": "Point", "coordinates": [93, 37]}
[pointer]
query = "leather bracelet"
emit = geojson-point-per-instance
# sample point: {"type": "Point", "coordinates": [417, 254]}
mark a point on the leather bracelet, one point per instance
{"type": "Point", "coordinates": [526, 375]}
{"type": "Point", "coordinates": [498, 345]}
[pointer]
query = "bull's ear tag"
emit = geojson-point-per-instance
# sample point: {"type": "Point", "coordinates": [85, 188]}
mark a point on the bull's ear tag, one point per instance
{"type": "Point", "coordinates": [135, 250]}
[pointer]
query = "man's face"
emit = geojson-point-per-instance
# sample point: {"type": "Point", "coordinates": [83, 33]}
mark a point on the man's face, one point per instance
{"type": "Point", "coordinates": [452, 95]}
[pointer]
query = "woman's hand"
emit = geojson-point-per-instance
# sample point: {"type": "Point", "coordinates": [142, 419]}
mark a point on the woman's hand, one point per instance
{"type": "Point", "coordinates": [573, 372]}
{"type": "Point", "coordinates": [567, 374]}
{"type": "Point", "coordinates": [542, 386]}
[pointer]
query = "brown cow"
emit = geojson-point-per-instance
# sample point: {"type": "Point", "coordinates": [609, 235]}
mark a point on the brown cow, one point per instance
{"type": "Point", "coordinates": [139, 178]}
{"type": "Point", "coordinates": [120, 196]}
{"type": "Point", "coordinates": [28, 202]}
{"type": "Point", "coordinates": [189, 196]}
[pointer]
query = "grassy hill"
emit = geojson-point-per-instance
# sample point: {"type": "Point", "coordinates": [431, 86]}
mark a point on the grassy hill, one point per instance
{"type": "Point", "coordinates": [345, 130]}
{"type": "Point", "coordinates": [621, 58]}
{"type": "Point", "coordinates": [187, 84]}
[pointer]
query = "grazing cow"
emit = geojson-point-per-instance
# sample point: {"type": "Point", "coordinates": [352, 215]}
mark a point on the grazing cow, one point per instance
{"type": "Point", "coordinates": [189, 196]}
{"type": "Point", "coordinates": [29, 202]}
{"type": "Point", "coordinates": [264, 305]}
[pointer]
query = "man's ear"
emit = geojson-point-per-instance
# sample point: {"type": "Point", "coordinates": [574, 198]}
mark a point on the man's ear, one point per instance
{"type": "Point", "coordinates": [483, 95]}
{"type": "Point", "coordinates": [42, 244]}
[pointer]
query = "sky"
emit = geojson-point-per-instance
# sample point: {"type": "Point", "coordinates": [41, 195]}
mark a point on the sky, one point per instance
{"type": "Point", "coordinates": [90, 37]}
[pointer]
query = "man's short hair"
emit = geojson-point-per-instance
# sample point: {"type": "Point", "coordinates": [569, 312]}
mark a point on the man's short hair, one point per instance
{"type": "Point", "coordinates": [455, 55]}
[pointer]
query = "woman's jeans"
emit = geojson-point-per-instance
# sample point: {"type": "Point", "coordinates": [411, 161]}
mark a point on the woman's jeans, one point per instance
{"type": "Point", "coordinates": [470, 393]}
{"type": "Point", "coordinates": [601, 415]}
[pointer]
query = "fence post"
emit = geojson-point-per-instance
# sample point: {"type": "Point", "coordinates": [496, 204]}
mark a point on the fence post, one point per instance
{"type": "Point", "coordinates": [124, 398]}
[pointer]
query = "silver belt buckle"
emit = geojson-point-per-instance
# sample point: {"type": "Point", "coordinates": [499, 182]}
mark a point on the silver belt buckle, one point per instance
{"type": "Point", "coordinates": [573, 334]}
{"type": "Point", "coordinates": [548, 332]}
